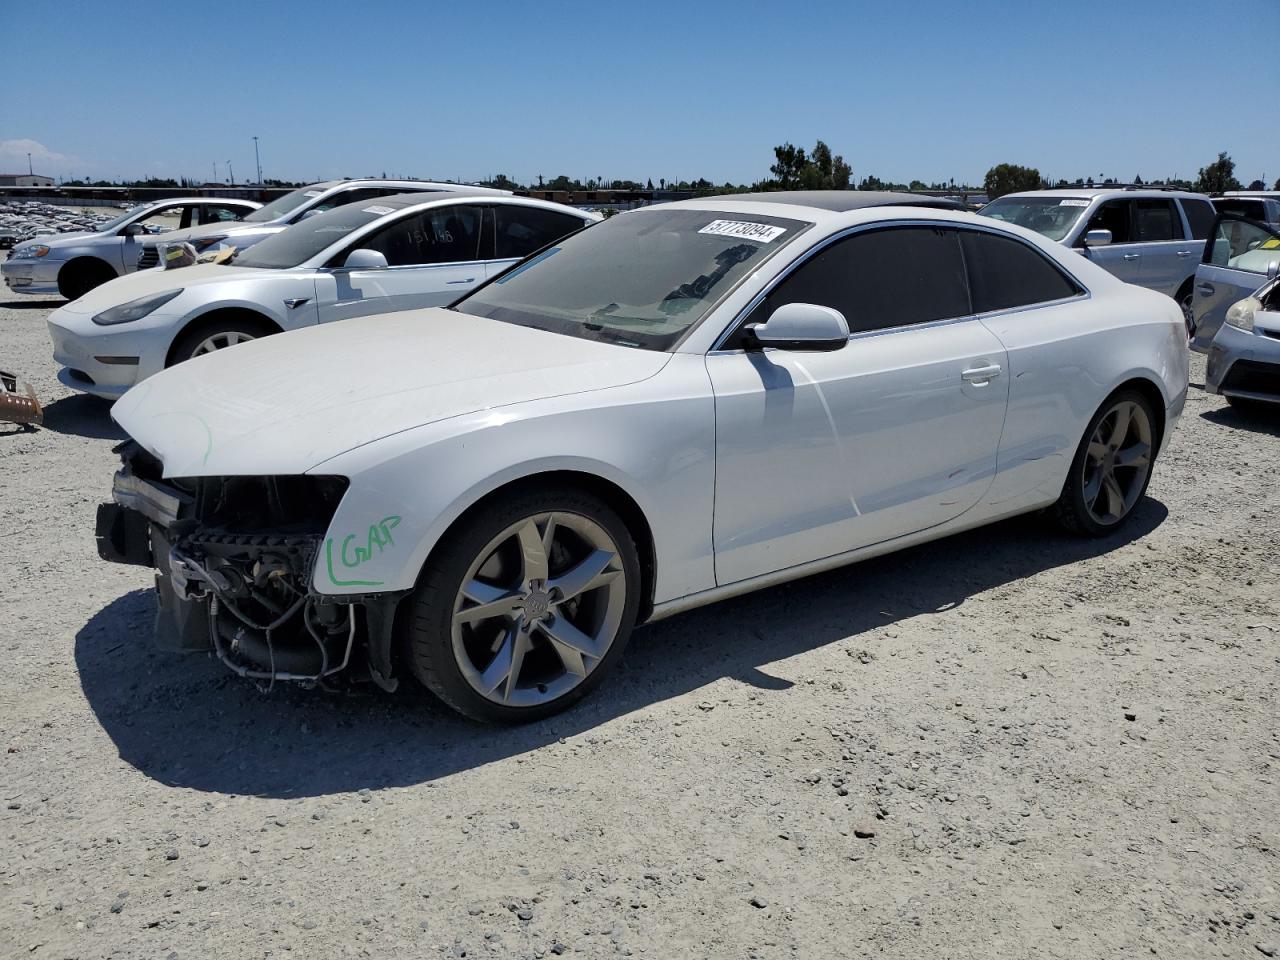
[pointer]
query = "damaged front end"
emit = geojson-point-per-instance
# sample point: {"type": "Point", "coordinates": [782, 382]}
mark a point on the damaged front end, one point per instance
{"type": "Point", "coordinates": [234, 558]}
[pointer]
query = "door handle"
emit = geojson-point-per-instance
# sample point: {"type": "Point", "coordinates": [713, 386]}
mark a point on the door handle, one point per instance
{"type": "Point", "coordinates": [468, 280]}
{"type": "Point", "coordinates": [1133, 256]}
{"type": "Point", "coordinates": [981, 375]}
{"type": "Point", "coordinates": [1205, 288]}
{"type": "Point", "coordinates": [1184, 253]}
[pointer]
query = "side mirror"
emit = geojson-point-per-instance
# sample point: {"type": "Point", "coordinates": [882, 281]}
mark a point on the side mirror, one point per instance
{"type": "Point", "coordinates": [309, 214]}
{"type": "Point", "coordinates": [1273, 269]}
{"type": "Point", "coordinates": [133, 230]}
{"type": "Point", "coordinates": [801, 326]}
{"type": "Point", "coordinates": [1097, 238]}
{"type": "Point", "coordinates": [364, 259]}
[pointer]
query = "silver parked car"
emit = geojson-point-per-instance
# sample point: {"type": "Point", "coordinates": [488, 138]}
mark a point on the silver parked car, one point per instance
{"type": "Point", "coordinates": [72, 264]}
{"type": "Point", "coordinates": [1240, 257]}
{"type": "Point", "coordinates": [1260, 205]}
{"type": "Point", "coordinates": [1244, 356]}
{"type": "Point", "coordinates": [291, 208]}
{"type": "Point", "coordinates": [1153, 238]}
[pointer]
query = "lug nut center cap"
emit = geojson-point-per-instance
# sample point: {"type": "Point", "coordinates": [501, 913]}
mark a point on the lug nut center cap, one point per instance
{"type": "Point", "coordinates": [536, 604]}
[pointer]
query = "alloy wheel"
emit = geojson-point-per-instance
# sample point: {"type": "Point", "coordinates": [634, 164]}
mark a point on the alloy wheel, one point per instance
{"type": "Point", "coordinates": [220, 341]}
{"type": "Point", "coordinates": [1117, 462]}
{"type": "Point", "coordinates": [539, 609]}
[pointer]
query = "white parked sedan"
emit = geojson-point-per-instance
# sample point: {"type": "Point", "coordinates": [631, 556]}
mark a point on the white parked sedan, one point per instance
{"type": "Point", "coordinates": [683, 403]}
{"type": "Point", "coordinates": [395, 253]}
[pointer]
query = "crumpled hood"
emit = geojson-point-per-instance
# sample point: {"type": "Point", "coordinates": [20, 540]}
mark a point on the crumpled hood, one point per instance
{"type": "Point", "coordinates": [144, 283]}
{"type": "Point", "coordinates": [284, 404]}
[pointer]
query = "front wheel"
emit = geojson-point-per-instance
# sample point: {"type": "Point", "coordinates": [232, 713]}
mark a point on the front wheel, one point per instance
{"type": "Point", "coordinates": [1111, 468]}
{"type": "Point", "coordinates": [217, 335]}
{"type": "Point", "coordinates": [526, 607]}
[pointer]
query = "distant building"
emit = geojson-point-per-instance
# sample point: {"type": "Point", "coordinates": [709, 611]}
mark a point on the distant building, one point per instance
{"type": "Point", "coordinates": [24, 180]}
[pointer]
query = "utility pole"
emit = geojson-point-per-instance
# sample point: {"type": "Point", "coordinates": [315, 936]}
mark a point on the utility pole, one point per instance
{"type": "Point", "coordinates": [257, 161]}
{"type": "Point", "coordinates": [231, 173]}
{"type": "Point", "coordinates": [29, 170]}
{"type": "Point", "coordinates": [215, 172]}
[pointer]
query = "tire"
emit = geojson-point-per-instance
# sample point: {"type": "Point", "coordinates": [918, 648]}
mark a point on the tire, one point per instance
{"type": "Point", "coordinates": [194, 340]}
{"type": "Point", "coordinates": [80, 276]}
{"type": "Point", "coordinates": [1088, 503]}
{"type": "Point", "coordinates": [1186, 299]}
{"type": "Point", "coordinates": [458, 654]}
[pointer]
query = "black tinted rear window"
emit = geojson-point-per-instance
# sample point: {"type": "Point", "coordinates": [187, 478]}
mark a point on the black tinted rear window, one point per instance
{"type": "Point", "coordinates": [1200, 214]}
{"type": "Point", "coordinates": [1006, 273]}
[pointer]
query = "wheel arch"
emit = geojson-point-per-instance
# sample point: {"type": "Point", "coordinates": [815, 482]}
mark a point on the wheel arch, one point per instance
{"type": "Point", "coordinates": [211, 317]}
{"type": "Point", "coordinates": [85, 261]}
{"type": "Point", "coordinates": [611, 492]}
{"type": "Point", "coordinates": [1148, 385]}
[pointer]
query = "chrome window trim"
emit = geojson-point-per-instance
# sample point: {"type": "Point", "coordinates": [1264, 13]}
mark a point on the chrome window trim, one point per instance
{"type": "Point", "coordinates": [732, 328]}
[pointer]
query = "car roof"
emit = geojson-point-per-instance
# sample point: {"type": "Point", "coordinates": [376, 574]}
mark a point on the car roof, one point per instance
{"type": "Point", "coordinates": [835, 201]}
{"type": "Point", "coordinates": [408, 185]}
{"type": "Point", "coordinates": [1250, 194]}
{"type": "Point", "coordinates": [150, 203]}
{"type": "Point", "coordinates": [1095, 192]}
{"type": "Point", "coordinates": [400, 200]}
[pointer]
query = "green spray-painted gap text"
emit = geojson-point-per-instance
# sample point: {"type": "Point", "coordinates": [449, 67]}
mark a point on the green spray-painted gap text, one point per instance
{"type": "Point", "coordinates": [356, 552]}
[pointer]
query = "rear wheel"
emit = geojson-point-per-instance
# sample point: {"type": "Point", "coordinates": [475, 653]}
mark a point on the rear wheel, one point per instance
{"type": "Point", "coordinates": [1111, 468]}
{"type": "Point", "coordinates": [527, 607]}
{"type": "Point", "coordinates": [218, 334]}
{"type": "Point", "coordinates": [80, 276]}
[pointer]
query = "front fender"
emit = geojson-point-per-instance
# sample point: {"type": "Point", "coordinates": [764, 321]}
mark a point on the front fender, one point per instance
{"type": "Point", "coordinates": [654, 441]}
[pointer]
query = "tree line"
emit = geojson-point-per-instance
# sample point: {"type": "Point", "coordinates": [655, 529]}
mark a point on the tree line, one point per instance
{"type": "Point", "coordinates": [1216, 177]}
{"type": "Point", "coordinates": [794, 168]}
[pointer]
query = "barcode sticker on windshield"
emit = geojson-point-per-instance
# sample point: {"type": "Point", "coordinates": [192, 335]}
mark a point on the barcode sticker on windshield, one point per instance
{"type": "Point", "coordinates": [743, 230]}
{"type": "Point", "coordinates": [378, 210]}
{"type": "Point", "coordinates": [1073, 203]}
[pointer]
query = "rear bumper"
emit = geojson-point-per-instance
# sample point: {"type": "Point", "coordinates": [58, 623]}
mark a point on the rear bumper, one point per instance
{"type": "Point", "coordinates": [1244, 365]}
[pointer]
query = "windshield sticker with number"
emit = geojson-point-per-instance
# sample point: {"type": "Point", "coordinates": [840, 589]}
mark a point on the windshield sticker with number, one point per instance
{"type": "Point", "coordinates": [744, 230]}
{"type": "Point", "coordinates": [378, 210]}
{"type": "Point", "coordinates": [1073, 203]}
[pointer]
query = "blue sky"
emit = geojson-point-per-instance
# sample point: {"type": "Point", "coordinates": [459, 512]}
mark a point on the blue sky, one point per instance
{"type": "Point", "coordinates": [925, 90]}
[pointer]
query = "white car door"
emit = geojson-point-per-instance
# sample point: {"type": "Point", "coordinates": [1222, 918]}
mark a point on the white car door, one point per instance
{"type": "Point", "coordinates": [433, 257]}
{"type": "Point", "coordinates": [818, 453]}
{"type": "Point", "coordinates": [1168, 257]}
{"type": "Point", "coordinates": [1122, 257]}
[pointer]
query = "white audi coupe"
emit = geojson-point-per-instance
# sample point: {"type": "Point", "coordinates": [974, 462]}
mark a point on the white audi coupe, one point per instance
{"type": "Point", "coordinates": [682, 404]}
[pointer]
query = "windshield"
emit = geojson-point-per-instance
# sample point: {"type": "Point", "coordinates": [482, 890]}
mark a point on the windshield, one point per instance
{"type": "Point", "coordinates": [297, 244]}
{"type": "Point", "coordinates": [1051, 216]}
{"type": "Point", "coordinates": [641, 279]}
{"type": "Point", "coordinates": [120, 220]}
{"type": "Point", "coordinates": [283, 206]}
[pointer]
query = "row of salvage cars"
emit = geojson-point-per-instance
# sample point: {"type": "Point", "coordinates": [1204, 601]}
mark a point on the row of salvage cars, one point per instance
{"type": "Point", "coordinates": [502, 466]}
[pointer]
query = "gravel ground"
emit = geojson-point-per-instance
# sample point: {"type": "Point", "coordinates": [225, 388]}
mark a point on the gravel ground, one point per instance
{"type": "Point", "coordinates": [1007, 744]}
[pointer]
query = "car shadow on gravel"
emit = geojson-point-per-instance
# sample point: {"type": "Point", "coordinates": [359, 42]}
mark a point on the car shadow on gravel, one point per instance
{"type": "Point", "coordinates": [33, 304]}
{"type": "Point", "coordinates": [1259, 421]}
{"type": "Point", "coordinates": [185, 721]}
{"type": "Point", "coordinates": [83, 416]}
